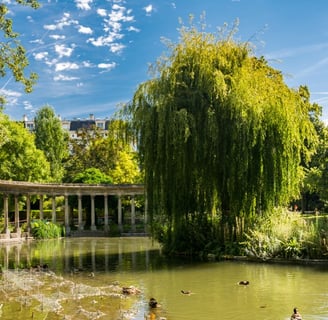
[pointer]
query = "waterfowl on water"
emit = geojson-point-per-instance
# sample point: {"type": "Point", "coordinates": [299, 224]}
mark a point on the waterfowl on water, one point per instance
{"type": "Point", "coordinates": [243, 283]}
{"type": "Point", "coordinates": [153, 303]}
{"type": "Point", "coordinates": [186, 292]}
{"type": "Point", "coordinates": [296, 315]}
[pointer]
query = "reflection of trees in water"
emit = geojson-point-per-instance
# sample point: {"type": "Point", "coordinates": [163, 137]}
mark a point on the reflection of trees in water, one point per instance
{"type": "Point", "coordinates": [88, 254]}
{"type": "Point", "coordinates": [39, 293]}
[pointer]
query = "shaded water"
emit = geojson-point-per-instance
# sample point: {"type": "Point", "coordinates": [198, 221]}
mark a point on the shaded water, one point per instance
{"type": "Point", "coordinates": [95, 265]}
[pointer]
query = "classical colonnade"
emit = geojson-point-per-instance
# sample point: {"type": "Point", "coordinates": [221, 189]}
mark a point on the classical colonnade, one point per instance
{"type": "Point", "coordinates": [18, 188]}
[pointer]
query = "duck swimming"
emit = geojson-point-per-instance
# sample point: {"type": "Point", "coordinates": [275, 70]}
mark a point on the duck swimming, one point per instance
{"type": "Point", "coordinates": [153, 303]}
{"type": "Point", "coordinates": [243, 283]}
{"type": "Point", "coordinates": [296, 315]}
{"type": "Point", "coordinates": [185, 291]}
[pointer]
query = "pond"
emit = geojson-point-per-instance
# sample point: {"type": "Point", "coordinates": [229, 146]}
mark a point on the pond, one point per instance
{"type": "Point", "coordinates": [83, 278]}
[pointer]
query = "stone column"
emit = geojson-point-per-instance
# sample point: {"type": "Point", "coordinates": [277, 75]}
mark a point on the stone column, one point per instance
{"type": "Point", "coordinates": [80, 222]}
{"type": "Point", "coordinates": [119, 212]}
{"type": "Point", "coordinates": [53, 211]}
{"type": "Point", "coordinates": [41, 207]}
{"type": "Point", "coordinates": [106, 224]}
{"type": "Point", "coordinates": [17, 227]}
{"type": "Point", "coordinates": [28, 213]}
{"type": "Point", "coordinates": [146, 210]}
{"type": "Point", "coordinates": [5, 212]}
{"type": "Point", "coordinates": [93, 224]}
{"type": "Point", "coordinates": [67, 227]}
{"type": "Point", "coordinates": [133, 214]}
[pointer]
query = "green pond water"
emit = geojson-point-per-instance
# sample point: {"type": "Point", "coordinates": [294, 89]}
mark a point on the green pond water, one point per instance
{"type": "Point", "coordinates": [83, 279]}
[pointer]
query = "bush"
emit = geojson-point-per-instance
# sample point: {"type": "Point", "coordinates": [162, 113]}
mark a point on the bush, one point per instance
{"type": "Point", "coordinates": [286, 234]}
{"type": "Point", "coordinates": [42, 229]}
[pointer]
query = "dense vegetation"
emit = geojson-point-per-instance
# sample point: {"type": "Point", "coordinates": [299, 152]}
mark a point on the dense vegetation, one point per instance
{"type": "Point", "coordinates": [221, 138]}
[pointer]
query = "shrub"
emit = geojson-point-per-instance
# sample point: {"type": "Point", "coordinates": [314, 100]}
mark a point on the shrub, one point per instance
{"type": "Point", "coordinates": [42, 229]}
{"type": "Point", "coordinates": [285, 234]}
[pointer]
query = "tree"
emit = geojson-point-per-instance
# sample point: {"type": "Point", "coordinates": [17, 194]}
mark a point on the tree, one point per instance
{"type": "Point", "coordinates": [112, 155]}
{"type": "Point", "coordinates": [52, 140]}
{"type": "Point", "coordinates": [221, 138]}
{"type": "Point", "coordinates": [19, 158]}
{"type": "Point", "coordinates": [92, 176]}
{"type": "Point", "coordinates": [13, 56]}
{"type": "Point", "coordinates": [316, 178]}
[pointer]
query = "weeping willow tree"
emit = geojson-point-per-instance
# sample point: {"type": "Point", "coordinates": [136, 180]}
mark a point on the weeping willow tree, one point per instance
{"type": "Point", "coordinates": [221, 139]}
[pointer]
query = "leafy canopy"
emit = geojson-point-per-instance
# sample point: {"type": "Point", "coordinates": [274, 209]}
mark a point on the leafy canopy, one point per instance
{"type": "Point", "coordinates": [20, 159]}
{"type": "Point", "coordinates": [51, 138]}
{"type": "Point", "coordinates": [13, 56]}
{"type": "Point", "coordinates": [219, 132]}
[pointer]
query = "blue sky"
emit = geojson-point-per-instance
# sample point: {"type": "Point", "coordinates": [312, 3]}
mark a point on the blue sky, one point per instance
{"type": "Point", "coordinates": [91, 55]}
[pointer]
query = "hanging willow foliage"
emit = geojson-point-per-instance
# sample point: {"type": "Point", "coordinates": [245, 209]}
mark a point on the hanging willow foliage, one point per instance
{"type": "Point", "coordinates": [220, 135]}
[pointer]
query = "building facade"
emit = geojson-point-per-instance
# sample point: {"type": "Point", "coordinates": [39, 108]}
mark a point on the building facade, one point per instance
{"type": "Point", "coordinates": [75, 125]}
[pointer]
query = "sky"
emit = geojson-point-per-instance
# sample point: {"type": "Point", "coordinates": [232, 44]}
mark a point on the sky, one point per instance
{"type": "Point", "coordinates": [91, 55]}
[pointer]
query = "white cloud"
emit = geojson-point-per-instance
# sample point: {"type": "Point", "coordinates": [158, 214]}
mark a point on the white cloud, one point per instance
{"type": "Point", "coordinates": [86, 64]}
{"type": "Point", "coordinates": [63, 51]}
{"type": "Point", "coordinates": [102, 12]}
{"type": "Point", "coordinates": [116, 47]}
{"type": "Point", "coordinates": [11, 96]}
{"type": "Point", "coordinates": [99, 42]}
{"type": "Point", "coordinates": [37, 41]}
{"type": "Point", "coordinates": [61, 77]}
{"type": "Point", "coordinates": [66, 66]}
{"type": "Point", "coordinates": [40, 55]}
{"type": "Point", "coordinates": [50, 63]}
{"type": "Point", "coordinates": [131, 28]}
{"type": "Point", "coordinates": [83, 4]}
{"type": "Point", "coordinates": [57, 37]}
{"type": "Point", "coordinates": [108, 66]}
{"type": "Point", "coordinates": [27, 105]}
{"type": "Point", "coordinates": [10, 93]}
{"type": "Point", "coordinates": [85, 30]}
{"type": "Point", "coordinates": [149, 9]}
{"type": "Point", "coordinates": [113, 28]}
{"type": "Point", "coordinates": [65, 21]}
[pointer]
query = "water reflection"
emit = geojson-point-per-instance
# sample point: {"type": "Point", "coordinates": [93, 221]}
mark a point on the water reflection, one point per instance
{"type": "Point", "coordinates": [272, 293]}
{"type": "Point", "coordinates": [83, 254]}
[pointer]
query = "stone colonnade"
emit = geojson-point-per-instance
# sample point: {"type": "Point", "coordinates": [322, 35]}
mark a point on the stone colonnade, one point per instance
{"type": "Point", "coordinates": [18, 188]}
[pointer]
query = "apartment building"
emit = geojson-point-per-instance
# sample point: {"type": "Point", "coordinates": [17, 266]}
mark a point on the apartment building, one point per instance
{"type": "Point", "coordinates": [75, 125]}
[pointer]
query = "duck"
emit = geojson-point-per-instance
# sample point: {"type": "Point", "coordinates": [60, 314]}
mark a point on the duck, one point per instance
{"type": "Point", "coordinates": [153, 303]}
{"type": "Point", "coordinates": [243, 283]}
{"type": "Point", "coordinates": [296, 315]}
{"type": "Point", "coordinates": [186, 292]}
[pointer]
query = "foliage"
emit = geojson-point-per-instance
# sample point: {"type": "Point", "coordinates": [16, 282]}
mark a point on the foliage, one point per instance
{"type": "Point", "coordinates": [126, 169]}
{"type": "Point", "coordinates": [284, 234]}
{"type": "Point", "coordinates": [19, 158]}
{"type": "Point", "coordinates": [13, 56]}
{"type": "Point", "coordinates": [113, 155]}
{"type": "Point", "coordinates": [316, 178]}
{"type": "Point", "coordinates": [42, 229]}
{"type": "Point", "coordinates": [52, 140]}
{"type": "Point", "coordinates": [92, 176]}
{"type": "Point", "coordinates": [220, 134]}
